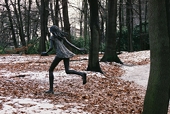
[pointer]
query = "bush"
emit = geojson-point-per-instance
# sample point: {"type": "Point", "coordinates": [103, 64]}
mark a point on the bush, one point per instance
{"type": "Point", "coordinates": [135, 38]}
{"type": "Point", "coordinates": [35, 46]}
{"type": "Point", "coordinates": [2, 50]}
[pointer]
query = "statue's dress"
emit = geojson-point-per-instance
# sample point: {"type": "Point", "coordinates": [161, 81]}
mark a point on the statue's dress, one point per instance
{"type": "Point", "coordinates": [61, 50]}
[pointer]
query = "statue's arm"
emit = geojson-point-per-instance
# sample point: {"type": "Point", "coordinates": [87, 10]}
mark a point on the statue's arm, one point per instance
{"type": "Point", "coordinates": [71, 45]}
{"type": "Point", "coordinates": [50, 49]}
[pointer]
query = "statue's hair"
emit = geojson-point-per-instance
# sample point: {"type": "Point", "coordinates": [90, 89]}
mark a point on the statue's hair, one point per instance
{"type": "Point", "coordinates": [57, 32]}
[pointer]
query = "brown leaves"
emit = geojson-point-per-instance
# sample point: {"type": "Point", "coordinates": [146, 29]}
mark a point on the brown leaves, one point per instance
{"type": "Point", "coordinates": [135, 58]}
{"type": "Point", "coordinates": [102, 94]}
{"type": "Point", "coordinates": [1, 106]}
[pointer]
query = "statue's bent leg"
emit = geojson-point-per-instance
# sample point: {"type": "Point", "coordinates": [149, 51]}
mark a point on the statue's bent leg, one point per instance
{"type": "Point", "coordinates": [68, 71]}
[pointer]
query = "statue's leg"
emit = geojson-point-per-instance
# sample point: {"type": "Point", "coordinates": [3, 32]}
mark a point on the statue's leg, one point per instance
{"type": "Point", "coordinates": [51, 75]}
{"type": "Point", "coordinates": [68, 71]}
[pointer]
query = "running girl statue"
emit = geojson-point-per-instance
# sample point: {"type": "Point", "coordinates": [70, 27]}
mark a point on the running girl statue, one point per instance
{"type": "Point", "coordinates": [62, 53]}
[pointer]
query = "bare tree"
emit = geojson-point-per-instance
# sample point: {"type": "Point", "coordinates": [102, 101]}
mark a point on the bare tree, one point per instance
{"type": "Point", "coordinates": [129, 24]}
{"type": "Point", "coordinates": [120, 23]}
{"type": "Point", "coordinates": [93, 63]}
{"type": "Point", "coordinates": [66, 17]}
{"type": "Point", "coordinates": [11, 24]}
{"type": "Point", "coordinates": [44, 20]}
{"type": "Point", "coordinates": [28, 19]}
{"type": "Point", "coordinates": [110, 50]}
{"type": "Point", "coordinates": [17, 10]}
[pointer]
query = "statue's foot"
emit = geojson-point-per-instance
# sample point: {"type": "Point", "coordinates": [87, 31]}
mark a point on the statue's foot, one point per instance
{"type": "Point", "coordinates": [49, 91]}
{"type": "Point", "coordinates": [84, 78]}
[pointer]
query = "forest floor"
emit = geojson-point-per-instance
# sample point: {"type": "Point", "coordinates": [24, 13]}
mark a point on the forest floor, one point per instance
{"type": "Point", "coordinates": [120, 90]}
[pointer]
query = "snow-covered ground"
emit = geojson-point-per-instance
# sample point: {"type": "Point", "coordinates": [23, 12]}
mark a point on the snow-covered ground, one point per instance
{"type": "Point", "coordinates": [137, 73]}
{"type": "Point", "coordinates": [34, 106]}
{"type": "Point", "coordinates": [136, 69]}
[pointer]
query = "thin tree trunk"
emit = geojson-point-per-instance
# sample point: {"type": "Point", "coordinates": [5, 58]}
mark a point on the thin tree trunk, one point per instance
{"type": "Point", "coordinates": [120, 24]}
{"type": "Point", "coordinates": [168, 15]}
{"type": "Point", "coordinates": [19, 21]}
{"type": "Point", "coordinates": [21, 31]}
{"type": "Point", "coordinates": [129, 24]}
{"type": "Point", "coordinates": [140, 26]}
{"type": "Point", "coordinates": [85, 21]}
{"type": "Point", "coordinates": [44, 20]}
{"type": "Point", "coordinates": [81, 24]}
{"type": "Point", "coordinates": [29, 21]}
{"type": "Point", "coordinates": [81, 19]}
{"type": "Point", "coordinates": [66, 18]}
{"type": "Point", "coordinates": [52, 12]}
{"type": "Point", "coordinates": [57, 13]}
{"type": "Point", "coordinates": [11, 24]}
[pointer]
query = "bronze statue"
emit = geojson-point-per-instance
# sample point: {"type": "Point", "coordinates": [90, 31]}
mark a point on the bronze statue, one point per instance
{"type": "Point", "coordinates": [62, 53]}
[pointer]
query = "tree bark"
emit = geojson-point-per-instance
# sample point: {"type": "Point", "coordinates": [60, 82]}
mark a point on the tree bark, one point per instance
{"type": "Point", "coordinates": [21, 30]}
{"type": "Point", "coordinates": [168, 15]}
{"type": "Point", "coordinates": [140, 26]}
{"type": "Point", "coordinates": [57, 13]}
{"type": "Point", "coordinates": [44, 20]}
{"type": "Point", "coordinates": [11, 24]}
{"type": "Point", "coordinates": [28, 20]}
{"type": "Point", "coordinates": [66, 21]}
{"type": "Point", "coordinates": [110, 50]}
{"type": "Point", "coordinates": [120, 24]}
{"type": "Point", "coordinates": [93, 63]}
{"type": "Point", "coordinates": [85, 20]}
{"type": "Point", "coordinates": [158, 90]}
{"type": "Point", "coordinates": [129, 24]}
{"type": "Point", "coordinates": [19, 21]}
{"type": "Point", "coordinates": [66, 18]}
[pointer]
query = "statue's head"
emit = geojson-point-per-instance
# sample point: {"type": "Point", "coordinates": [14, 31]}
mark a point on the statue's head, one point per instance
{"type": "Point", "coordinates": [54, 29]}
{"type": "Point", "coordinates": [57, 32]}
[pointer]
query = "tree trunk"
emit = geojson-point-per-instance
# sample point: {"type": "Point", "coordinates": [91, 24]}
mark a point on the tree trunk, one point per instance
{"type": "Point", "coordinates": [85, 21]}
{"type": "Point", "coordinates": [93, 63]}
{"type": "Point", "coordinates": [110, 50]}
{"type": "Point", "coordinates": [158, 90]}
{"type": "Point", "coordinates": [168, 15]}
{"type": "Point", "coordinates": [129, 24]}
{"type": "Point", "coordinates": [52, 12]}
{"type": "Point", "coordinates": [11, 24]}
{"type": "Point", "coordinates": [28, 20]}
{"type": "Point", "coordinates": [21, 31]}
{"type": "Point", "coordinates": [81, 19]}
{"type": "Point", "coordinates": [66, 18]}
{"type": "Point", "coordinates": [44, 20]}
{"type": "Point", "coordinates": [54, 7]}
{"type": "Point", "coordinates": [120, 25]}
{"type": "Point", "coordinates": [19, 21]}
{"type": "Point", "coordinates": [146, 46]}
{"type": "Point", "coordinates": [57, 13]}
{"type": "Point", "coordinates": [140, 26]}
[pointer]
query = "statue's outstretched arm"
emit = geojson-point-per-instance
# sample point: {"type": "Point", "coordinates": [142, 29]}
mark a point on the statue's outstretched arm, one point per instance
{"type": "Point", "coordinates": [71, 45]}
{"type": "Point", "coordinates": [50, 49]}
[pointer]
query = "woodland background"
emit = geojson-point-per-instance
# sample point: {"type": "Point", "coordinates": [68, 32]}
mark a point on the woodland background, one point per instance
{"type": "Point", "coordinates": [26, 22]}
{"type": "Point", "coordinates": [109, 26]}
